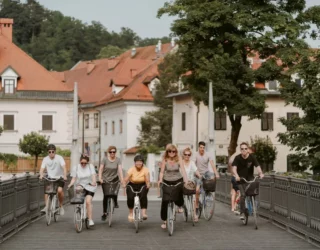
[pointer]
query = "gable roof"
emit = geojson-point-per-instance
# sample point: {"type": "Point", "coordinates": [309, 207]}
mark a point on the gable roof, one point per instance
{"type": "Point", "coordinates": [33, 76]}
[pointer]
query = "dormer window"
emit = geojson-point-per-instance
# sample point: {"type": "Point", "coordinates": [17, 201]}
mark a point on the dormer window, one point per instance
{"type": "Point", "coordinates": [272, 85]}
{"type": "Point", "coordinates": [296, 78]}
{"type": "Point", "coordinates": [9, 78]}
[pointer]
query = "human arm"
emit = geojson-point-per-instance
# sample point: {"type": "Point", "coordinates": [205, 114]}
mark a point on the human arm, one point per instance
{"type": "Point", "coordinates": [214, 168]}
{"type": "Point", "coordinates": [127, 178]}
{"type": "Point", "coordinates": [100, 172]}
{"type": "Point", "coordinates": [120, 173]}
{"type": "Point", "coordinates": [235, 173]}
{"type": "Point", "coordinates": [73, 180]}
{"type": "Point", "coordinates": [163, 164]}
{"type": "Point", "coordinates": [147, 178]}
{"type": "Point", "coordinates": [183, 171]}
{"type": "Point", "coordinates": [93, 175]}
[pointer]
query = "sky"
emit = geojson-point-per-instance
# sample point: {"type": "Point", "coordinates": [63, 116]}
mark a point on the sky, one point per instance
{"type": "Point", "coordinates": [139, 15]}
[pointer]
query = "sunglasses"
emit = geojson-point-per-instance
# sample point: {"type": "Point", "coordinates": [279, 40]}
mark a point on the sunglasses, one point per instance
{"type": "Point", "coordinates": [51, 151]}
{"type": "Point", "coordinates": [187, 154]}
{"type": "Point", "coordinates": [83, 163]}
{"type": "Point", "coordinates": [244, 148]}
{"type": "Point", "coordinates": [112, 152]}
{"type": "Point", "coordinates": [171, 151]}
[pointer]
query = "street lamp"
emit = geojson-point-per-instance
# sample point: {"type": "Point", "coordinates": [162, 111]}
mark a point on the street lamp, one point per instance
{"type": "Point", "coordinates": [211, 135]}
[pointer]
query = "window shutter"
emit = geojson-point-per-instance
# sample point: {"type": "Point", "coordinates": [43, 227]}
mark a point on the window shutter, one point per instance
{"type": "Point", "coordinates": [270, 121]}
{"type": "Point", "coordinates": [217, 121]}
{"type": "Point", "coordinates": [224, 121]}
{"type": "Point", "coordinates": [183, 121]}
{"type": "Point", "coordinates": [273, 85]}
{"type": "Point", "coordinates": [264, 122]}
{"type": "Point", "coordinates": [8, 122]}
{"type": "Point", "coordinates": [47, 122]}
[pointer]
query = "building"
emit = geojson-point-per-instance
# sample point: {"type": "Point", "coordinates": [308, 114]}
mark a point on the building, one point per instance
{"type": "Point", "coordinates": [30, 98]}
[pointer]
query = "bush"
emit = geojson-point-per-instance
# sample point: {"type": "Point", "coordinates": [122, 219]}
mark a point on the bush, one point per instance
{"type": "Point", "coordinates": [10, 160]}
{"type": "Point", "coordinates": [223, 159]}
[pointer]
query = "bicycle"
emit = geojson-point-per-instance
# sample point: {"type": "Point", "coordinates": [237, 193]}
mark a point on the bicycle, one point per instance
{"type": "Point", "coordinates": [111, 189]}
{"type": "Point", "coordinates": [251, 191]}
{"type": "Point", "coordinates": [137, 208]}
{"type": "Point", "coordinates": [237, 202]}
{"type": "Point", "coordinates": [80, 209]}
{"type": "Point", "coordinates": [207, 199]}
{"type": "Point", "coordinates": [52, 207]}
{"type": "Point", "coordinates": [188, 208]}
{"type": "Point", "coordinates": [171, 210]}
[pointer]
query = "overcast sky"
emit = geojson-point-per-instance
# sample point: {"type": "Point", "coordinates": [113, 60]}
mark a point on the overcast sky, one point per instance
{"type": "Point", "coordinates": [139, 15]}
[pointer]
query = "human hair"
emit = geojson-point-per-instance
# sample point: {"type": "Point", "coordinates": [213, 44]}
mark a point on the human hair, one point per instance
{"type": "Point", "coordinates": [171, 147]}
{"type": "Point", "coordinates": [202, 143]}
{"type": "Point", "coordinates": [111, 147]}
{"type": "Point", "coordinates": [244, 143]}
{"type": "Point", "coordinates": [84, 157]}
{"type": "Point", "coordinates": [186, 150]}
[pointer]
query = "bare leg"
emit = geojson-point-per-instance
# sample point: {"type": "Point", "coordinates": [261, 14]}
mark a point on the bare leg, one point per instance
{"type": "Point", "coordinates": [45, 199]}
{"type": "Point", "coordinates": [144, 212]}
{"type": "Point", "coordinates": [60, 196]}
{"type": "Point", "coordinates": [197, 196]}
{"type": "Point", "coordinates": [233, 199]}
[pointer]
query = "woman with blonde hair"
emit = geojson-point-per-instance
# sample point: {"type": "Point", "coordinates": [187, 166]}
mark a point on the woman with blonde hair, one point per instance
{"type": "Point", "coordinates": [172, 172]}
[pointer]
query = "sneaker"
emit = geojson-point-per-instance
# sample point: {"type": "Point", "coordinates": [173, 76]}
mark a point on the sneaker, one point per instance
{"type": "Point", "coordinates": [91, 223]}
{"type": "Point", "coordinates": [242, 216]}
{"type": "Point", "coordinates": [104, 217]}
{"type": "Point", "coordinates": [44, 210]}
{"type": "Point", "coordinates": [61, 211]}
{"type": "Point", "coordinates": [116, 206]}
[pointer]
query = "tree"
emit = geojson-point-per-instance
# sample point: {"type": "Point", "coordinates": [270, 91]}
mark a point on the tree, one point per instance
{"type": "Point", "coordinates": [303, 133]}
{"type": "Point", "coordinates": [217, 37]}
{"type": "Point", "coordinates": [1, 130]}
{"type": "Point", "coordinates": [156, 125]}
{"type": "Point", "coordinates": [34, 144]}
{"type": "Point", "coordinates": [265, 152]}
{"type": "Point", "coordinates": [109, 51]}
{"type": "Point", "coordinates": [148, 41]}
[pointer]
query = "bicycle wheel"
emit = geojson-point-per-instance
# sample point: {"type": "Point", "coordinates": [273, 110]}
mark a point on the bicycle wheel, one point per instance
{"type": "Point", "coordinates": [246, 216]}
{"type": "Point", "coordinates": [55, 209]}
{"type": "Point", "coordinates": [136, 218]}
{"type": "Point", "coordinates": [49, 210]}
{"type": "Point", "coordinates": [86, 221]}
{"type": "Point", "coordinates": [200, 209]}
{"type": "Point", "coordinates": [110, 210]}
{"type": "Point", "coordinates": [185, 213]}
{"type": "Point", "coordinates": [208, 206]}
{"type": "Point", "coordinates": [254, 211]}
{"type": "Point", "coordinates": [190, 200]}
{"type": "Point", "coordinates": [78, 218]}
{"type": "Point", "coordinates": [170, 218]}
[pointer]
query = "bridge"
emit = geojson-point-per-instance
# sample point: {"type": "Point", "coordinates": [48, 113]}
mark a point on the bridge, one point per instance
{"type": "Point", "coordinates": [289, 219]}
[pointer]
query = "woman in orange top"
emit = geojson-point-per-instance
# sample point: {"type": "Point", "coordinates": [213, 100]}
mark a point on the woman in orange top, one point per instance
{"type": "Point", "coordinates": [138, 176]}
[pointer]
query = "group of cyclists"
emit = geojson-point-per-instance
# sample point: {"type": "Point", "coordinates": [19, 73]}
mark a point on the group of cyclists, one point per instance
{"type": "Point", "coordinates": [174, 169]}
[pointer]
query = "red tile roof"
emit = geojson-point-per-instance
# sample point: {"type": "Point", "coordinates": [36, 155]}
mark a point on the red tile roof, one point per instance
{"type": "Point", "coordinates": [32, 76]}
{"type": "Point", "coordinates": [132, 150]}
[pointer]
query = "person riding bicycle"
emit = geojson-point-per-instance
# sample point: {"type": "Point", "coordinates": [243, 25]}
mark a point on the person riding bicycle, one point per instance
{"type": "Point", "coordinates": [202, 160]}
{"type": "Point", "coordinates": [191, 170]}
{"type": "Point", "coordinates": [138, 176]}
{"type": "Point", "coordinates": [84, 174]}
{"type": "Point", "coordinates": [56, 168]}
{"type": "Point", "coordinates": [243, 167]}
{"type": "Point", "coordinates": [172, 172]}
{"type": "Point", "coordinates": [110, 171]}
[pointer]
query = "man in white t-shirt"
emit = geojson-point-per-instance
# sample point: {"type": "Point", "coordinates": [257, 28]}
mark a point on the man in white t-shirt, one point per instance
{"type": "Point", "coordinates": [56, 168]}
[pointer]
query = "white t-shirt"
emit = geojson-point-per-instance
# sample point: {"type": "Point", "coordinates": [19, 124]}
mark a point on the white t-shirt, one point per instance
{"type": "Point", "coordinates": [54, 167]}
{"type": "Point", "coordinates": [190, 170]}
{"type": "Point", "coordinates": [84, 174]}
{"type": "Point", "coordinates": [202, 162]}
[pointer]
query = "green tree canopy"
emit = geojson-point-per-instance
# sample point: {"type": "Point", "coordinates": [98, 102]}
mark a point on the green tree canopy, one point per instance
{"type": "Point", "coordinates": [217, 37]}
{"type": "Point", "coordinates": [34, 144]}
{"type": "Point", "coordinates": [109, 51]}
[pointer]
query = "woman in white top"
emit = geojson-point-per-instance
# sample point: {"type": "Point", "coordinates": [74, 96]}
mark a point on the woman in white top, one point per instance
{"type": "Point", "coordinates": [191, 170]}
{"type": "Point", "coordinates": [85, 175]}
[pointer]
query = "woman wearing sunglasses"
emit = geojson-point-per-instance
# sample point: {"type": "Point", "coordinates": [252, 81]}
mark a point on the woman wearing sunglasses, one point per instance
{"type": "Point", "coordinates": [110, 172]}
{"type": "Point", "coordinates": [172, 172]}
{"type": "Point", "coordinates": [191, 171]}
{"type": "Point", "coordinates": [85, 175]}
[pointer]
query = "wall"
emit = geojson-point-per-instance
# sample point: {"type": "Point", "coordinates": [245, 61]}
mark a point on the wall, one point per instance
{"type": "Point", "coordinates": [28, 115]}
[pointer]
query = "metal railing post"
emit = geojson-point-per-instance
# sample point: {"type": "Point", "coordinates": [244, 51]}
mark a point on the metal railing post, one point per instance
{"type": "Point", "coordinates": [1, 235]}
{"type": "Point", "coordinates": [308, 203]}
{"type": "Point", "coordinates": [28, 196]}
{"type": "Point", "coordinates": [272, 180]}
{"type": "Point", "coordinates": [289, 195]}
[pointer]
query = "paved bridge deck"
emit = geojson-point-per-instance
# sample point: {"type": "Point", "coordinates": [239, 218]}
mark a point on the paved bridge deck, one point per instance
{"type": "Point", "coordinates": [224, 231]}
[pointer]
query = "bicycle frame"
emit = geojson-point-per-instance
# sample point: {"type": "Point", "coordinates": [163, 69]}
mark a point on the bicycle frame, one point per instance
{"type": "Point", "coordinates": [137, 208]}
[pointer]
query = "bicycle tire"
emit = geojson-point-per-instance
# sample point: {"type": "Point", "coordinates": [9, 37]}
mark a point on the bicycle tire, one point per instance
{"type": "Point", "coordinates": [78, 222]}
{"type": "Point", "coordinates": [55, 209]}
{"type": "Point", "coordinates": [199, 210]}
{"type": "Point", "coordinates": [246, 217]}
{"type": "Point", "coordinates": [86, 222]}
{"type": "Point", "coordinates": [190, 200]}
{"type": "Point", "coordinates": [49, 210]}
{"type": "Point", "coordinates": [110, 210]}
{"type": "Point", "coordinates": [170, 218]}
{"type": "Point", "coordinates": [254, 211]}
{"type": "Point", "coordinates": [185, 213]}
{"type": "Point", "coordinates": [208, 207]}
{"type": "Point", "coordinates": [136, 218]}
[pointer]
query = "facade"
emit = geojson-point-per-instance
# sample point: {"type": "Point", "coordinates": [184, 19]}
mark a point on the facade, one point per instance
{"type": "Point", "coordinates": [30, 98]}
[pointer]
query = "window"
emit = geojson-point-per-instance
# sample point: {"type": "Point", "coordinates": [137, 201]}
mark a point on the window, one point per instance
{"type": "Point", "coordinates": [86, 120]}
{"type": "Point", "coordinates": [47, 123]}
{"type": "Point", "coordinates": [183, 121]}
{"type": "Point", "coordinates": [267, 121]}
{"type": "Point", "coordinates": [9, 86]}
{"type": "Point", "coordinates": [299, 82]}
{"type": "Point", "coordinates": [290, 116]}
{"type": "Point", "coordinates": [220, 120]}
{"type": "Point", "coordinates": [105, 128]}
{"type": "Point", "coordinates": [113, 128]}
{"type": "Point", "coordinates": [8, 122]}
{"type": "Point", "coordinates": [96, 120]}
{"type": "Point", "coordinates": [273, 85]}
{"type": "Point", "coordinates": [120, 126]}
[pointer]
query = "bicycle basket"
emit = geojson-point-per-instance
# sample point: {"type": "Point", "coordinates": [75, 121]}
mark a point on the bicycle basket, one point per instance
{"type": "Point", "coordinates": [209, 185]}
{"type": "Point", "coordinates": [50, 187]}
{"type": "Point", "coordinates": [252, 189]}
{"type": "Point", "coordinates": [76, 195]}
{"type": "Point", "coordinates": [189, 188]}
{"type": "Point", "coordinates": [111, 188]}
{"type": "Point", "coordinates": [171, 193]}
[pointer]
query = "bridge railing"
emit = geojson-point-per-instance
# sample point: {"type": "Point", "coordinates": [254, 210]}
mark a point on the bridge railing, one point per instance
{"type": "Point", "coordinates": [290, 203]}
{"type": "Point", "coordinates": [21, 200]}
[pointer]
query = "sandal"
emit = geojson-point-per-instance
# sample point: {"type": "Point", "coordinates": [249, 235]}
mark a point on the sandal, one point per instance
{"type": "Point", "coordinates": [164, 225]}
{"type": "Point", "coordinates": [195, 219]}
{"type": "Point", "coordinates": [130, 218]}
{"type": "Point", "coordinates": [180, 210]}
{"type": "Point", "coordinates": [145, 217]}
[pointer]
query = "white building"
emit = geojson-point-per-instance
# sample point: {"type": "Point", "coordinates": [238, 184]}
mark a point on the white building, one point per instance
{"type": "Point", "coordinates": [30, 98]}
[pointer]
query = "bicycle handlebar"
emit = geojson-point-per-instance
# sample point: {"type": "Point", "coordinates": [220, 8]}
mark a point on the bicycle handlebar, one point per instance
{"type": "Point", "coordinates": [54, 179]}
{"type": "Point", "coordinates": [171, 185]}
{"type": "Point", "coordinates": [136, 191]}
{"type": "Point", "coordinates": [257, 177]}
{"type": "Point", "coordinates": [109, 182]}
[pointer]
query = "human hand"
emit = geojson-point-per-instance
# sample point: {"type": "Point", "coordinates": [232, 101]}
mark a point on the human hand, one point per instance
{"type": "Point", "coordinates": [101, 181]}
{"type": "Point", "coordinates": [237, 178]}
{"type": "Point", "coordinates": [261, 175]}
{"type": "Point", "coordinates": [217, 176]}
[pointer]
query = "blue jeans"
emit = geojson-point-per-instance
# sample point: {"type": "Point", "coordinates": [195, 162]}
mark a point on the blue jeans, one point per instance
{"type": "Point", "coordinates": [207, 175]}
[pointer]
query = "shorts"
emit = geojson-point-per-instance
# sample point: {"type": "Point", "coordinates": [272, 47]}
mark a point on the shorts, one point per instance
{"type": "Point", "coordinates": [206, 175]}
{"type": "Point", "coordinates": [86, 192]}
{"type": "Point", "coordinates": [234, 183]}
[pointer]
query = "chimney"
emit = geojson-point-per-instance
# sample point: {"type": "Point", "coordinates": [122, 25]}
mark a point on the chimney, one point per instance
{"type": "Point", "coordinates": [6, 28]}
{"type": "Point", "coordinates": [133, 52]}
{"type": "Point", "coordinates": [172, 43]}
{"type": "Point", "coordinates": [159, 46]}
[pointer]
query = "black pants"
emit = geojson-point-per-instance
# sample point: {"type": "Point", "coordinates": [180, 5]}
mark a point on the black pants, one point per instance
{"type": "Point", "coordinates": [142, 195]}
{"type": "Point", "coordinates": [242, 188]}
{"type": "Point", "coordinates": [105, 198]}
{"type": "Point", "coordinates": [179, 201]}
